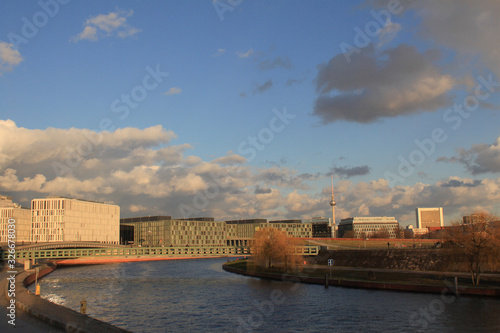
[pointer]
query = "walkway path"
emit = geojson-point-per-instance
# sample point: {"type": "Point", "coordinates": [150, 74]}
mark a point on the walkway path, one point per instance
{"type": "Point", "coordinates": [24, 322]}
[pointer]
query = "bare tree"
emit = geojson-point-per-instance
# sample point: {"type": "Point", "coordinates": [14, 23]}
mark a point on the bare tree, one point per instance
{"type": "Point", "coordinates": [476, 242]}
{"type": "Point", "coordinates": [381, 233]}
{"type": "Point", "coordinates": [271, 246]}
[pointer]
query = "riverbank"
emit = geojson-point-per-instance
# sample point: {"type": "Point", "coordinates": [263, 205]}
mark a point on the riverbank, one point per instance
{"type": "Point", "coordinates": [57, 316]}
{"type": "Point", "coordinates": [369, 278]}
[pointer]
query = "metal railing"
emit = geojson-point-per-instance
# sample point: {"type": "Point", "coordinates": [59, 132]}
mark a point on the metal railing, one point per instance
{"type": "Point", "coordinates": [144, 251]}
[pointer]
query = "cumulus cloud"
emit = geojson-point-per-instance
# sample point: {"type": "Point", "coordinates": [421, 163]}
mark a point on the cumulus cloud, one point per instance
{"type": "Point", "coordinates": [9, 57]}
{"type": "Point", "coordinates": [106, 25]}
{"type": "Point", "coordinates": [480, 158]}
{"type": "Point", "coordinates": [140, 170]}
{"type": "Point", "coordinates": [137, 208]}
{"type": "Point", "coordinates": [397, 81]}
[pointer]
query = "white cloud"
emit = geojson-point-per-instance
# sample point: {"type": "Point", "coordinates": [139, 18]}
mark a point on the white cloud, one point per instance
{"type": "Point", "coordinates": [173, 91]}
{"type": "Point", "coordinates": [137, 208]}
{"type": "Point", "coordinates": [246, 54]}
{"type": "Point", "coordinates": [139, 170]}
{"type": "Point", "coordinates": [9, 57]}
{"type": "Point", "coordinates": [10, 182]}
{"type": "Point", "coordinates": [106, 25]}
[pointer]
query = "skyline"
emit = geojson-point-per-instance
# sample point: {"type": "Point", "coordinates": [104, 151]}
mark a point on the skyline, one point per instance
{"type": "Point", "coordinates": [245, 109]}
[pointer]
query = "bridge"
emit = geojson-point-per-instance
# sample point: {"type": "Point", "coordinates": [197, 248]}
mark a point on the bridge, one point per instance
{"type": "Point", "coordinates": [146, 253]}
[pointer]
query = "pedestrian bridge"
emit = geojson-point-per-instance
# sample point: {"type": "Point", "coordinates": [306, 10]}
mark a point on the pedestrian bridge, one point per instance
{"type": "Point", "coordinates": [73, 253]}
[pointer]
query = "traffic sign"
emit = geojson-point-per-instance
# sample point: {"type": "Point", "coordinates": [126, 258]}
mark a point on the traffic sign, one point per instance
{"type": "Point", "coordinates": [330, 262]}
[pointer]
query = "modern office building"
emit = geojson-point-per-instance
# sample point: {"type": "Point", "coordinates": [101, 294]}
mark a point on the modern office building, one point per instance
{"type": "Point", "coordinates": [367, 226]}
{"type": "Point", "coordinates": [429, 217]}
{"type": "Point", "coordinates": [158, 231]}
{"type": "Point", "coordinates": [19, 217]}
{"type": "Point", "coordinates": [60, 219]}
{"type": "Point", "coordinates": [321, 227]}
{"type": "Point", "coordinates": [241, 232]}
{"type": "Point", "coordinates": [294, 228]}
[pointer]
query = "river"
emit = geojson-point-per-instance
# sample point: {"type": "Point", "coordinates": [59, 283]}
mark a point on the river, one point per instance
{"type": "Point", "coordinates": [198, 296]}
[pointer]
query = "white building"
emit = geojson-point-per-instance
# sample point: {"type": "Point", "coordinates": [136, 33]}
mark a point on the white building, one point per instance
{"type": "Point", "coordinates": [59, 219]}
{"type": "Point", "coordinates": [366, 226]}
{"type": "Point", "coordinates": [18, 216]}
{"type": "Point", "coordinates": [429, 217]}
{"type": "Point", "coordinates": [417, 231]}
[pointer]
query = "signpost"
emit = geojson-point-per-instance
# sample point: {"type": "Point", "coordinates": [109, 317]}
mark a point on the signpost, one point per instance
{"type": "Point", "coordinates": [330, 263]}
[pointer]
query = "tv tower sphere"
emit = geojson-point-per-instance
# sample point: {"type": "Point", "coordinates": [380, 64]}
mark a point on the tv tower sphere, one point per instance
{"type": "Point", "coordinates": [332, 201]}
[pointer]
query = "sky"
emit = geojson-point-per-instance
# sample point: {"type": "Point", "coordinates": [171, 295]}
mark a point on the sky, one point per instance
{"type": "Point", "coordinates": [241, 109]}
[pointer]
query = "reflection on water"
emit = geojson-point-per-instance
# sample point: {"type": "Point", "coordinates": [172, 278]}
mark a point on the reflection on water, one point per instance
{"type": "Point", "coordinates": [197, 295]}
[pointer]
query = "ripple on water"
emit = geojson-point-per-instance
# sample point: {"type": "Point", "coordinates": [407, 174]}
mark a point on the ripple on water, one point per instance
{"type": "Point", "coordinates": [198, 296]}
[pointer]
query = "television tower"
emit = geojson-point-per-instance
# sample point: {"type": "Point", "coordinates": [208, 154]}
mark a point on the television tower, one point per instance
{"type": "Point", "coordinates": [333, 203]}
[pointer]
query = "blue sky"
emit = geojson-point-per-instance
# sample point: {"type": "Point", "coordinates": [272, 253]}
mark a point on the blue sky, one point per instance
{"type": "Point", "coordinates": [146, 103]}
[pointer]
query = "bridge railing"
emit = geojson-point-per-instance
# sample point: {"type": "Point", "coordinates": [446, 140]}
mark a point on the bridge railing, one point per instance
{"type": "Point", "coordinates": [144, 251]}
{"type": "Point", "coordinates": [128, 251]}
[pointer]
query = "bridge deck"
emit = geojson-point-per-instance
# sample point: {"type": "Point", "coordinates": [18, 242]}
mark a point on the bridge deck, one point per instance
{"type": "Point", "coordinates": [142, 251]}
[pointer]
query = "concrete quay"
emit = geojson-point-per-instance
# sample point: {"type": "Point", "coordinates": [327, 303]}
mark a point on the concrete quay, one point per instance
{"type": "Point", "coordinates": [50, 317]}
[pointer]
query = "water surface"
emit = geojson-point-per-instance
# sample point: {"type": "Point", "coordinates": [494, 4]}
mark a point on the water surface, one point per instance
{"type": "Point", "coordinates": [198, 296]}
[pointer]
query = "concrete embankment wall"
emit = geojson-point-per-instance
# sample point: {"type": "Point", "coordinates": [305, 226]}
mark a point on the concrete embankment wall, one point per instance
{"type": "Point", "coordinates": [54, 314]}
{"type": "Point", "coordinates": [440, 260]}
{"type": "Point", "coordinates": [364, 284]}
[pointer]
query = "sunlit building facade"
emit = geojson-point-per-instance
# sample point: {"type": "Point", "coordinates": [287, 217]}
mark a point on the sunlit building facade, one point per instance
{"type": "Point", "coordinates": [429, 217]}
{"type": "Point", "coordinates": [19, 217]}
{"type": "Point", "coordinates": [241, 232]}
{"type": "Point", "coordinates": [359, 227]}
{"type": "Point", "coordinates": [293, 228]}
{"type": "Point", "coordinates": [60, 219]}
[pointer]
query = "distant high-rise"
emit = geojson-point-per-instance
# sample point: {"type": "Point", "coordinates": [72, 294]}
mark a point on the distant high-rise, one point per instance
{"type": "Point", "coordinates": [429, 217]}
